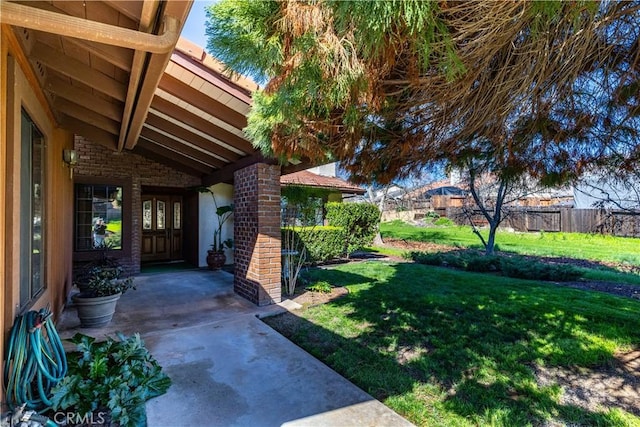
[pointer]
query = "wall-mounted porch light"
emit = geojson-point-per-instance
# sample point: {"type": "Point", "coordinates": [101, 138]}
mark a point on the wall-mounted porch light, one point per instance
{"type": "Point", "coordinates": [70, 158]}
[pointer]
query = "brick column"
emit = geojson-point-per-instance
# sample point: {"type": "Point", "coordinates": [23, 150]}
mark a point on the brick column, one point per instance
{"type": "Point", "coordinates": [256, 229]}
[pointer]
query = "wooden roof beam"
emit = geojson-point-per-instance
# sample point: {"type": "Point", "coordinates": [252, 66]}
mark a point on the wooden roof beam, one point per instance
{"type": "Point", "coordinates": [225, 174]}
{"type": "Point", "coordinates": [79, 71]}
{"type": "Point", "coordinates": [85, 98]}
{"type": "Point", "coordinates": [203, 102]}
{"type": "Point", "coordinates": [137, 67]}
{"type": "Point", "coordinates": [90, 132]}
{"type": "Point", "coordinates": [71, 26]}
{"type": "Point", "coordinates": [74, 110]}
{"type": "Point", "coordinates": [205, 126]}
{"type": "Point", "coordinates": [165, 141]}
{"type": "Point", "coordinates": [170, 158]}
{"type": "Point", "coordinates": [192, 138]}
{"type": "Point", "coordinates": [152, 75]}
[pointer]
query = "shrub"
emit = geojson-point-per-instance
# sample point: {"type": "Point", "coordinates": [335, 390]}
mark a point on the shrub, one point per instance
{"type": "Point", "coordinates": [359, 220]}
{"type": "Point", "coordinates": [322, 243]}
{"type": "Point", "coordinates": [483, 263]}
{"type": "Point", "coordinates": [321, 286]}
{"type": "Point", "coordinates": [523, 268]}
{"type": "Point", "coordinates": [432, 216]}
{"type": "Point", "coordinates": [119, 376]}
{"type": "Point", "coordinates": [443, 221]}
{"type": "Point", "coordinates": [434, 258]}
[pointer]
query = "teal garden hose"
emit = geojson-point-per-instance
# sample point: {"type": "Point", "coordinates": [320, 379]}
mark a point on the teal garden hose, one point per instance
{"type": "Point", "coordinates": [35, 361]}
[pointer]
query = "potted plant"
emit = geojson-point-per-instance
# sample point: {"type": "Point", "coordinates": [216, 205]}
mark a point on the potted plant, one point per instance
{"type": "Point", "coordinates": [100, 289]}
{"type": "Point", "coordinates": [216, 257]}
{"type": "Point", "coordinates": [108, 382]}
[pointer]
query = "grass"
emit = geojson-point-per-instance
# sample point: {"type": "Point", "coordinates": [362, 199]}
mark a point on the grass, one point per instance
{"type": "Point", "coordinates": [594, 247]}
{"type": "Point", "coordinates": [451, 348]}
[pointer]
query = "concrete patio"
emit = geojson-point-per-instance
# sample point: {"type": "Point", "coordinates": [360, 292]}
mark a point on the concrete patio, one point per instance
{"type": "Point", "coordinates": [228, 368]}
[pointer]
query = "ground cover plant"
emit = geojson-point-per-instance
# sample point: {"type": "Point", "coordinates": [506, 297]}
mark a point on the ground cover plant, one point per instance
{"type": "Point", "coordinates": [448, 347]}
{"type": "Point", "coordinates": [596, 247]}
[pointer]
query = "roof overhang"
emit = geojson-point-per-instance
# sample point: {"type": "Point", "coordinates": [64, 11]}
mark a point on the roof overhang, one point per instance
{"type": "Point", "coordinates": [117, 73]}
{"type": "Point", "coordinates": [97, 63]}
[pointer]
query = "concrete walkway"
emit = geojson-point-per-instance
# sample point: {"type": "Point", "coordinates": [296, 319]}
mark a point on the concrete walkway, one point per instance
{"type": "Point", "coordinates": [227, 367]}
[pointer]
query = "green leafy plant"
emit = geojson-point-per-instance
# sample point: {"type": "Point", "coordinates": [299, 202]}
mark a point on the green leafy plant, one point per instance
{"type": "Point", "coordinates": [321, 286]}
{"type": "Point", "coordinates": [321, 243]}
{"type": "Point", "coordinates": [359, 220]}
{"type": "Point", "coordinates": [118, 376]}
{"type": "Point", "coordinates": [102, 281]}
{"type": "Point", "coordinates": [523, 268]}
{"type": "Point", "coordinates": [223, 213]}
{"type": "Point", "coordinates": [444, 222]}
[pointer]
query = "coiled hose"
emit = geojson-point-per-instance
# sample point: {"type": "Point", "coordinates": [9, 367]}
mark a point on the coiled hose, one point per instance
{"type": "Point", "coordinates": [35, 361]}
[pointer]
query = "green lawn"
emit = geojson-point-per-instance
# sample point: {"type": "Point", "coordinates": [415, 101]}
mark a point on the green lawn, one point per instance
{"type": "Point", "coordinates": [450, 348]}
{"type": "Point", "coordinates": [594, 247]}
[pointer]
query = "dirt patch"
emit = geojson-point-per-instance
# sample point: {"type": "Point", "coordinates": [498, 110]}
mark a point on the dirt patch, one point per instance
{"type": "Point", "coordinates": [614, 386]}
{"type": "Point", "coordinates": [418, 246]}
{"type": "Point", "coordinates": [307, 298]}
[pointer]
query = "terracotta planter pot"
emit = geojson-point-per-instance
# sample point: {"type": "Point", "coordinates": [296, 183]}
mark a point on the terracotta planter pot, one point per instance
{"type": "Point", "coordinates": [95, 311]}
{"type": "Point", "coordinates": [215, 259]}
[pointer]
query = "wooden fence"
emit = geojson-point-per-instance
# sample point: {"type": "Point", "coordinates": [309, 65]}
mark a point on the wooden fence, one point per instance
{"type": "Point", "coordinates": [615, 222]}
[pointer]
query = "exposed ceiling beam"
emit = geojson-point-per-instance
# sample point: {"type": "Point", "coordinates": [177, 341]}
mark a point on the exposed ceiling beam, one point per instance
{"type": "Point", "coordinates": [137, 66]}
{"type": "Point", "coordinates": [130, 9]}
{"type": "Point", "coordinates": [203, 102]}
{"type": "Point", "coordinates": [205, 126]}
{"type": "Point", "coordinates": [74, 110]}
{"type": "Point", "coordinates": [225, 174]}
{"type": "Point", "coordinates": [78, 71]}
{"type": "Point", "coordinates": [90, 132]}
{"type": "Point", "coordinates": [165, 141]}
{"type": "Point", "coordinates": [215, 79]}
{"type": "Point", "coordinates": [118, 56]}
{"type": "Point", "coordinates": [86, 99]}
{"type": "Point", "coordinates": [191, 137]}
{"type": "Point", "coordinates": [14, 45]}
{"type": "Point", "coordinates": [114, 55]}
{"type": "Point", "coordinates": [152, 155]}
{"type": "Point", "coordinates": [71, 26]}
{"type": "Point", "coordinates": [152, 75]}
{"type": "Point", "coordinates": [171, 158]}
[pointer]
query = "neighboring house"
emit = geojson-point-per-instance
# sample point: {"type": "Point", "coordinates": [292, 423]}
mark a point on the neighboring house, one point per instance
{"type": "Point", "coordinates": [323, 178]}
{"type": "Point", "coordinates": [599, 191]}
{"type": "Point", "coordinates": [106, 114]}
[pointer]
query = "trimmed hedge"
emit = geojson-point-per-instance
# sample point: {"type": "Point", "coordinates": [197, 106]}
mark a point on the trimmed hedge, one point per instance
{"type": "Point", "coordinates": [359, 220]}
{"type": "Point", "coordinates": [517, 267]}
{"type": "Point", "coordinates": [323, 243]}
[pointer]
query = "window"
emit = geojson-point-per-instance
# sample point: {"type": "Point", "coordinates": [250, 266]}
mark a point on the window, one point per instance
{"type": "Point", "coordinates": [98, 221]}
{"type": "Point", "coordinates": [32, 222]}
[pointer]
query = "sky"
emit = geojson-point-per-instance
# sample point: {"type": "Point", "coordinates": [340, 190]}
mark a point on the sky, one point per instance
{"type": "Point", "coordinates": [194, 27]}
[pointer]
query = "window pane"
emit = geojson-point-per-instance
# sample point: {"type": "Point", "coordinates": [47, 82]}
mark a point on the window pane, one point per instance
{"type": "Point", "coordinates": [98, 217]}
{"type": "Point", "coordinates": [176, 215]}
{"type": "Point", "coordinates": [160, 215]}
{"type": "Point", "coordinates": [32, 234]}
{"type": "Point", "coordinates": [146, 215]}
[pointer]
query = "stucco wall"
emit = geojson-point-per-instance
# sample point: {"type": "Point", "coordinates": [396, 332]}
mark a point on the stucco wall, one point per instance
{"type": "Point", "coordinates": [209, 221]}
{"type": "Point", "coordinates": [19, 90]}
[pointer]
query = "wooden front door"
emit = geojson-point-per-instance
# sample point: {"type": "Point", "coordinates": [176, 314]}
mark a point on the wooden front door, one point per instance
{"type": "Point", "coordinates": [161, 228]}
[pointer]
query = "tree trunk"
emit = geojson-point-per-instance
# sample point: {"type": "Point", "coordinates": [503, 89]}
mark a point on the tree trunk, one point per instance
{"type": "Point", "coordinates": [491, 241]}
{"type": "Point", "coordinates": [377, 241]}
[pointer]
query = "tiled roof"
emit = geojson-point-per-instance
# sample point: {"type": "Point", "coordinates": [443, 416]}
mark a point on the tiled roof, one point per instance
{"type": "Point", "coordinates": [310, 179]}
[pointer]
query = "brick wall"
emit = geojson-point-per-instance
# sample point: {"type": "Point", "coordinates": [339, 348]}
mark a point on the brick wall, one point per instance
{"type": "Point", "coordinates": [96, 161]}
{"type": "Point", "coordinates": [257, 233]}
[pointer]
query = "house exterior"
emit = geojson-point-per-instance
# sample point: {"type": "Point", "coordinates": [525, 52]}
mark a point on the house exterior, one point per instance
{"type": "Point", "coordinates": [322, 178]}
{"type": "Point", "coordinates": [108, 117]}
